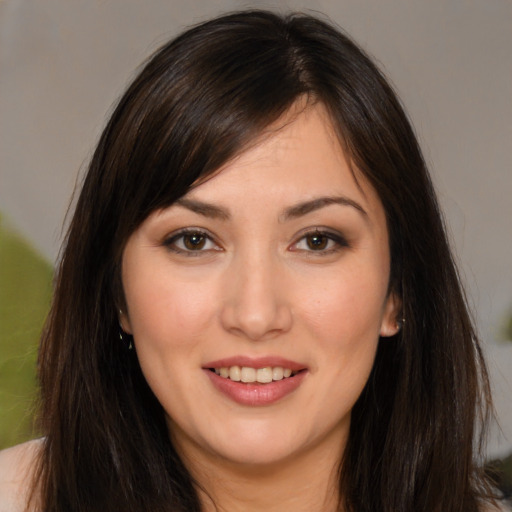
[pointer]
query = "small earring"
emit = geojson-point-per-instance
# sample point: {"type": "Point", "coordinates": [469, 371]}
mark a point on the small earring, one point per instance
{"type": "Point", "coordinates": [399, 324]}
{"type": "Point", "coordinates": [122, 335]}
{"type": "Point", "coordinates": [129, 339]}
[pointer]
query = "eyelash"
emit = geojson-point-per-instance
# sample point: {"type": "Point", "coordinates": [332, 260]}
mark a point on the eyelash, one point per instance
{"type": "Point", "coordinates": [338, 241]}
{"type": "Point", "coordinates": [172, 241]}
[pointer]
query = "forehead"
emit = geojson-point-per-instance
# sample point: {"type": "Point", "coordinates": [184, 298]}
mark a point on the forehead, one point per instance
{"type": "Point", "coordinates": [297, 158]}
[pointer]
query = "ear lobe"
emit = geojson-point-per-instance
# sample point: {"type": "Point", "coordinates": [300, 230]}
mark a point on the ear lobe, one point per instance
{"type": "Point", "coordinates": [391, 324]}
{"type": "Point", "coordinates": [124, 322]}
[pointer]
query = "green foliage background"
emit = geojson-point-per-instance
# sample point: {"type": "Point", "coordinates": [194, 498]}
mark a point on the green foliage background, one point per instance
{"type": "Point", "coordinates": [25, 293]}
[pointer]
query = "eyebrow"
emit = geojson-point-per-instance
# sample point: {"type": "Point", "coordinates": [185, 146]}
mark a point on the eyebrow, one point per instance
{"type": "Point", "coordinates": [293, 212]}
{"type": "Point", "coordinates": [204, 209]}
{"type": "Point", "coordinates": [315, 204]}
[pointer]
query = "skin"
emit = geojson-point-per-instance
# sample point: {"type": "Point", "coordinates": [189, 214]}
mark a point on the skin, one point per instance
{"type": "Point", "coordinates": [265, 281]}
{"type": "Point", "coordinates": [16, 474]}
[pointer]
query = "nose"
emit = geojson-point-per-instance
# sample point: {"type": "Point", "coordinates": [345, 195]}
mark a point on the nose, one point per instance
{"type": "Point", "coordinates": [255, 304]}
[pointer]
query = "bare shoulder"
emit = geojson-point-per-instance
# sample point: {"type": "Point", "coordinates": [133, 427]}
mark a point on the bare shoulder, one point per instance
{"type": "Point", "coordinates": [16, 466]}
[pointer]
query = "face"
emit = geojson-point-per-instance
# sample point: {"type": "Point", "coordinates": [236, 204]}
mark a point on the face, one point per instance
{"type": "Point", "coordinates": [256, 302]}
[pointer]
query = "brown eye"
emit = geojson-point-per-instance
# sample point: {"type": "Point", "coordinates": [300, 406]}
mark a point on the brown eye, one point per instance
{"type": "Point", "coordinates": [191, 243]}
{"type": "Point", "coordinates": [320, 242]}
{"type": "Point", "coordinates": [317, 241]}
{"type": "Point", "coordinates": [194, 241]}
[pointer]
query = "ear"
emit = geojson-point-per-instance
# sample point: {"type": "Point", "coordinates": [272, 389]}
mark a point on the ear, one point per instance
{"type": "Point", "coordinates": [124, 322]}
{"type": "Point", "coordinates": [391, 322]}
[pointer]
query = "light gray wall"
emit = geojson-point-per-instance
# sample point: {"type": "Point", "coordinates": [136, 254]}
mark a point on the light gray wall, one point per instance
{"type": "Point", "coordinates": [63, 63]}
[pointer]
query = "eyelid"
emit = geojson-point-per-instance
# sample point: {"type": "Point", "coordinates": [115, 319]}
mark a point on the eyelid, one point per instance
{"type": "Point", "coordinates": [338, 238]}
{"type": "Point", "coordinates": [170, 240]}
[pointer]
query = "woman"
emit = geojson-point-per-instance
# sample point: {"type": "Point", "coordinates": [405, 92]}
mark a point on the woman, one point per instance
{"type": "Point", "coordinates": [256, 307]}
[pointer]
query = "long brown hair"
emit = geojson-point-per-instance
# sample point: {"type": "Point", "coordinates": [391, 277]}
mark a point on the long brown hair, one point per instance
{"type": "Point", "coordinates": [199, 101]}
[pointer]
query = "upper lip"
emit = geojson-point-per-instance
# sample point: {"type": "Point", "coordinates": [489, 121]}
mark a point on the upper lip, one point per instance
{"type": "Point", "coordinates": [256, 362]}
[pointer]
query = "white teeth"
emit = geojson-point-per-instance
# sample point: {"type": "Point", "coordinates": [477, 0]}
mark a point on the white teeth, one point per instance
{"type": "Point", "coordinates": [277, 373]}
{"type": "Point", "coordinates": [264, 375]}
{"type": "Point", "coordinates": [248, 374]}
{"type": "Point", "coordinates": [235, 373]}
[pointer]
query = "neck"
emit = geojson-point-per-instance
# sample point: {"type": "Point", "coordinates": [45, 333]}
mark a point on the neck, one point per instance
{"type": "Point", "coordinates": [306, 483]}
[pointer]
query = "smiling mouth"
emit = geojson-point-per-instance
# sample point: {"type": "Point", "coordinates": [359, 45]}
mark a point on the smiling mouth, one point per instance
{"type": "Point", "coordinates": [247, 374]}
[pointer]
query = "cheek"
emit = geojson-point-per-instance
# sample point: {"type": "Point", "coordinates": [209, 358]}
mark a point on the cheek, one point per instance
{"type": "Point", "coordinates": [343, 316]}
{"type": "Point", "coordinates": [347, 306]}
{"type": "Point", "coordinates": [162, 307]}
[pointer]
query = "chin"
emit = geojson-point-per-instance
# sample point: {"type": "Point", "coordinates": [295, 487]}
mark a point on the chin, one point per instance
{"type": "Point", "coordinates": [253, 455]}
{"type": "Point", "coordinates": [262, 444]}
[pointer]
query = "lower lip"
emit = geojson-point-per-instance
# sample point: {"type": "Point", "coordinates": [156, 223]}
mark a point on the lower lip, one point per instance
{"type": "Point", "coordinates": [256, 394]}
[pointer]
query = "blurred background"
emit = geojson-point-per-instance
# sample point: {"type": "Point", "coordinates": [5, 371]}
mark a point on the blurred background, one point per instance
{"type": "Point", "coordinates": [64, 63]}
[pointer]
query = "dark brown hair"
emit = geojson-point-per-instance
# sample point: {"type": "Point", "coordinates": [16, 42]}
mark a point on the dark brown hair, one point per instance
{"type": "Point", "coordinates": [198, 102]}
